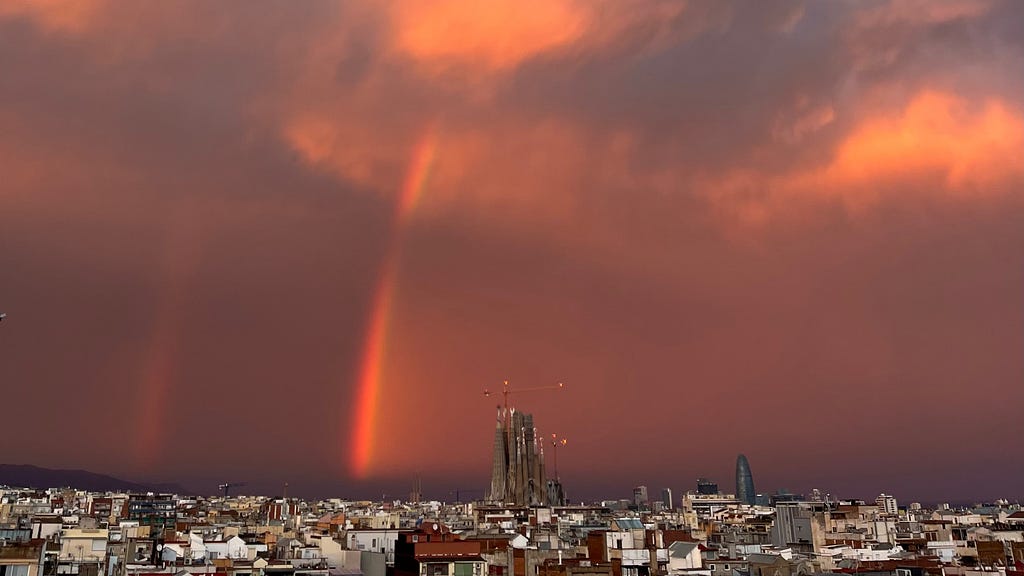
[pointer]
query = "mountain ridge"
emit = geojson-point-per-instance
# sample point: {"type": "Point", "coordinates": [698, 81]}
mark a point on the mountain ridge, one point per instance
{"type": "Point", "coordinates": [31, 476]}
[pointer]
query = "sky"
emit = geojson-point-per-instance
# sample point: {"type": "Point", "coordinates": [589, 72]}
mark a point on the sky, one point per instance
{"type": "Point", "coordinates": [273, 242]}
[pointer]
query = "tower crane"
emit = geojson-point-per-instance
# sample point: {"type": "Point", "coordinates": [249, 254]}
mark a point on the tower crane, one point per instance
{"type": "Point", "coordinates": [458, 491]}
{"type": "Point", "coordinates": [507, 389]}
{"type": "Point", "coordinates": [555, 443]}
{"type": "Point", "coordinates": [227, 486]}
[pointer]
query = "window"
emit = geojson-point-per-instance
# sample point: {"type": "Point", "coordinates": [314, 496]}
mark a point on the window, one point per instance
{"type": "Point", "coordinates": [437, 569]}
{"type": "Point", "coordinates": [463, 569]}
{"type": "Point", "coordinates": [711, 567]}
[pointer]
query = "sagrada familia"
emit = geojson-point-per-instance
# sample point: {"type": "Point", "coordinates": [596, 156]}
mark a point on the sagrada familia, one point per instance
{"type": "Point", "coordinates": [517, 476]}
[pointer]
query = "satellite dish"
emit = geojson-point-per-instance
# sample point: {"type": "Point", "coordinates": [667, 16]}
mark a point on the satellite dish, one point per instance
{"type": "Point", "coordinates": [159, 547]}
{"type": "Point", "coordinates": [435, 526]}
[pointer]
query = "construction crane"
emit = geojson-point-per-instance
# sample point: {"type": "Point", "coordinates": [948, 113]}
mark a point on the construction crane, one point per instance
{"type": "Point", "coordinates": [555, 443]}
{"type": "Point", "coordinates": [458, 491]}
{"type": "Point", "coordinates": [507, 389]}
{"type": "Point", "coordinates": [227, 486]}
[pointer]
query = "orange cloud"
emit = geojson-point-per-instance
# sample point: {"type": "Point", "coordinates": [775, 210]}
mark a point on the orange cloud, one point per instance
{"type": "Point", "coordinates": [351, 151]}
{"type": "Point", "coordinates": [970, 148]}
{"type": "Point", "coordinates": [496, 34]}
{"type": "Point", "coordinates": [938, 144]}
{"type": "Point", "coordinates": [54, 15]}
{"type": "Point", "coordinates": [501, 34]}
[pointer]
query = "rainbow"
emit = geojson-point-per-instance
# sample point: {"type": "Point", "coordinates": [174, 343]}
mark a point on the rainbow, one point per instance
{"type": "Point", "coordinates": [370, 378]}
{"type": "Point", "coordinates": [180, 260]}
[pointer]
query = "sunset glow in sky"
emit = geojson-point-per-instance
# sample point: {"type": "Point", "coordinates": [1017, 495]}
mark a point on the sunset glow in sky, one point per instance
{"type": "Point", "coordinates": [275, 241]}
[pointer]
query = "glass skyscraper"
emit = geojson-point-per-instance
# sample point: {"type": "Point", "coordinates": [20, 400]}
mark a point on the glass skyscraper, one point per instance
{"type": "Point", "coordinates": [745, 492]}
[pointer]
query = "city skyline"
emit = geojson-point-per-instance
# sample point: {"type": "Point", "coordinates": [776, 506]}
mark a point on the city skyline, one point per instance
{"type": "Point", "coordinates": [464, 488]}
{"type": "Point", "coordinates": [296, 242]}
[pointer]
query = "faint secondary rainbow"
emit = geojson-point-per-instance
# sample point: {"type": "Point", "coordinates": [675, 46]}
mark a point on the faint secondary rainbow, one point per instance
{"type": "Point", "coordinates": [182, 254]}
{"type": "Point", "coordinates": [371, 366]}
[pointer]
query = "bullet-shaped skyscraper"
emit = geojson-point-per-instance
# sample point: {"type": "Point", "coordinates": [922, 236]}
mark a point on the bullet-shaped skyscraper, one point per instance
{"type": "Point", "coordinates": [744, 482]}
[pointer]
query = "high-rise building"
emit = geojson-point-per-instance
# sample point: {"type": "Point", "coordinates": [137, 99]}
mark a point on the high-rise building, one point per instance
{"type": "Point", "coordinates": [154, 510]}
{"type": "Point", "coordinates": [887, 504]}
{"type": "Point", "coordinates": [517, 473]}
{"type": "Point", "coordinates": [666, 499]}
{"type": "Point", "coordinates": [745, 492]}
{"type": "Point", "coordinates": [706, 487]}
{"type": "Point", "coordinates": [640, 499]}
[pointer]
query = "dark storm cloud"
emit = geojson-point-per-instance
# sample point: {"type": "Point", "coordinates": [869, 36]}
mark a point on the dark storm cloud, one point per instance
{"type": "Point", "coordinates": [698, 215]}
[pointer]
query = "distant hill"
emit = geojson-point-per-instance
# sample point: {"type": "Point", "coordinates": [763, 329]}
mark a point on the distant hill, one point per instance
{"type": "Point", "coordinates": [28, 476]}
